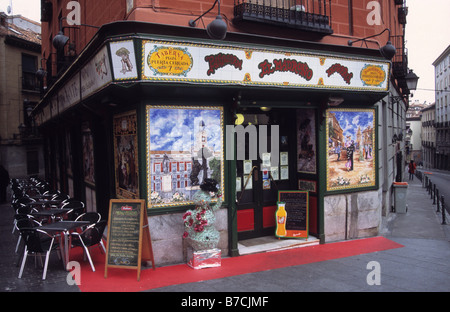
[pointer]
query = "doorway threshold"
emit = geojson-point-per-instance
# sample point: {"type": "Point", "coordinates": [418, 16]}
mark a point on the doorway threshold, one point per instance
{"type": "Point", "coordinates": [272, 243]}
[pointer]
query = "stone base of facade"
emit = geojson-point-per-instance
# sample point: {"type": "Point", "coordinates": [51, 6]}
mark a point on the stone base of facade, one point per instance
{"type": "Point", "coordinates": [354, 215]}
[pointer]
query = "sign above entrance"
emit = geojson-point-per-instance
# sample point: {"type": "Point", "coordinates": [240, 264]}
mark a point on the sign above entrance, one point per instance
{"type": "Point", "coordinates": [169, 61]}
{"type": "Point", "coordinates": [201, 63]}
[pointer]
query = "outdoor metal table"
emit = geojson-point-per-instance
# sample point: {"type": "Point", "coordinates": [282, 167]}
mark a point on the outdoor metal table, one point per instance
{"type": "Point", "coordinates": [51, 213]}
{"type": "Point", "coordinates": [64, 227]}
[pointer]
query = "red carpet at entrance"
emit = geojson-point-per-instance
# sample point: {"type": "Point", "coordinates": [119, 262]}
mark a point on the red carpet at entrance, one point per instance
{"type": "Point", "coordinates": [125, 280]}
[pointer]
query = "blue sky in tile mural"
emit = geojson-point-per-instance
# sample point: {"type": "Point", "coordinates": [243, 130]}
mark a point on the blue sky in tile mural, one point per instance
{"type": "Point", "coordinates": [175, 129]}
{"type": "Point", "coordinates": [350, 121]}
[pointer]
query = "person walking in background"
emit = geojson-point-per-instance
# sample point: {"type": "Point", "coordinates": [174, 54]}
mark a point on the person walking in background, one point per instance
{"type": "Point", "coordinates": [4, 182]}
{"type": "Point", "coordinates": [412, 169]}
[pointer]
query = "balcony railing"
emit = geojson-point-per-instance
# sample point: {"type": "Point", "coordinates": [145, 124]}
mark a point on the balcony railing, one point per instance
{"type": "Point", "coordinates": [400, 60]}
{"type": "Point", "coordinates": [443, 124]}
{"type": "Point", "coordinates": [307, 15]}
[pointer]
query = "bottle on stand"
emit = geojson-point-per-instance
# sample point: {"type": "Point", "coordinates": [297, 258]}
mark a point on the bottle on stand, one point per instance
{"type": "Point", "coordinates": [281, 216]}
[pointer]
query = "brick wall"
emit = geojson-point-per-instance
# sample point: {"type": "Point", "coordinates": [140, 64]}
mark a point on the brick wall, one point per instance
{"type": "Point", "coordinates": [179, 12]}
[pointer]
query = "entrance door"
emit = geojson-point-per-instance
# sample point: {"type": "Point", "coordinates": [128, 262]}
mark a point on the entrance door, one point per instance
{"type": "Point", "coordinates": [258, 180]}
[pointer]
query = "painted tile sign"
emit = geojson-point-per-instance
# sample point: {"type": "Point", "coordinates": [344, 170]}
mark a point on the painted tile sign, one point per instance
{"type": "Point", "coordinates": [194, 63]}
{"type": "Point", "coordinates": [169, 61]}
{"type": "Point", "coordinates": [123, 60]}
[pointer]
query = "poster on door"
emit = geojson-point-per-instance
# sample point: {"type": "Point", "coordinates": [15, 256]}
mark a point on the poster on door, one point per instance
{"type": "Point", "coordinates": [306, 141]}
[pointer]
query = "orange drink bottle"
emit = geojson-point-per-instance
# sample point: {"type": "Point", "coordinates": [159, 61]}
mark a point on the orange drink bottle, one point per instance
{"type": "Point", "coordinates": [281, 220]}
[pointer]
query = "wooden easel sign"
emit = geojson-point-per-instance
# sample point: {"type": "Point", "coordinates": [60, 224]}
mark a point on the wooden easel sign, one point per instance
{"type": "Point", "coordinates": [128, 240]}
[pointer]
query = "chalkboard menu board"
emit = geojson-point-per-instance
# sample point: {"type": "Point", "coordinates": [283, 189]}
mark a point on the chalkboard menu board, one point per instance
{"type": "Point", "coordinates": [128, 239]}
{"type": "Point", "coordinates": [296, 206]}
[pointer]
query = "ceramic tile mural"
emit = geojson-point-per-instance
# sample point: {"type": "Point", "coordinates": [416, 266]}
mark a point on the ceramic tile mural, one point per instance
{"type": "Point", "coordinates": [184, 147]}
{"type": "Point", "coordinates": [351, 148]}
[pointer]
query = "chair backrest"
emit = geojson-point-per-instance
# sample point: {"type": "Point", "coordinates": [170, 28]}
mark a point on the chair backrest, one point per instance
{"type": "Point", "coordinates": [35, 239]}
{"type": "Point", "coordinates": [68, 200]}
{"type": "Point", "coordinates": [17, 192]}
{"type": "Point", "coordinates": [25, 221]}
{"type": "Point", "coordinates": [92, 217]}
{"type": "Point", "coordinates": [77, 207]}
{"type": "Point", "coordinates": [60, 197]}
{"type": "Point", "coordinates": [43, 187]}
{"type": "Point", "coordinates": [24, 210]}
{"type": "Point", "coordinates": [32, 191]}
{"type": "Point", "coordinates": [51, 193]}
{"type": "Point", "coordinates": [73, 204]}
{"type": "Point", "coordinates": [93, 234]}
{"type": "Point", "coordinates": [24, 200]}
{"type": "Point", "coordinates": [74, 213]}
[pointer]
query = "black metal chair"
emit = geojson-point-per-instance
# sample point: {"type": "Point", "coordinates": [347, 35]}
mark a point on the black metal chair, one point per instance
{"type": "Point", "coordinates": [22, 201]}
{"type": "Point", "coordinates": [89, 237]}
{"type": "Point", "coordinates": [60, 196]}
{"type": "Point", "coordinates": [37, 242]}
{"type": "Point", "coordinates": [26, 210]}
{"type": "Point", "coordinates": [92, 217]}
{"type": "Point", "coordinates": [21, 212]}
{"type": "Point", "coordinates": [72, 203]}
{"type": "Point", "coordinates": [51, 193]}
{"type": "Point", "coordinates": [77, 208]}
{"type": "Point", "coordinates": [23, 221]}
{"type": "Point", "coordinates": [68, 200]}
{"type": "Point", "coordinates": [16, 192]}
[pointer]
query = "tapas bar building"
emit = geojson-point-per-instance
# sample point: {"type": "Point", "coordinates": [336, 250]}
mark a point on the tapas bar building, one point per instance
{"type": "Point", "coordinates": [151, 110]}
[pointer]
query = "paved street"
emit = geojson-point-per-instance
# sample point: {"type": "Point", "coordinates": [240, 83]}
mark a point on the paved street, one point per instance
{"type": "Point", "coordinates": [422, 265]}
{"type": "Point", "coordinates": [441, 179]}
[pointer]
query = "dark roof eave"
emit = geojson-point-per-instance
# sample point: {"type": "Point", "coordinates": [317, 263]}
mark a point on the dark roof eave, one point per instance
{"type": "Point", "coordinates": [22, 43]}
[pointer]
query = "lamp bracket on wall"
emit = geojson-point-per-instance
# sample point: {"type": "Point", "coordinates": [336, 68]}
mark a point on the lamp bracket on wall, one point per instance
{"type": "Point", "coordinates": [388, 51]}
{"type": "Point", "coordinates": [60, 40]}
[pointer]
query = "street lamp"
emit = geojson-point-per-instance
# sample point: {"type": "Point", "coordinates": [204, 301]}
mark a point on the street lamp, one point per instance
{"type": "Point", "coordinates": [217, 29]}
{"type": "Point", "coordinates": [22, 129]}
{"type": "Point", "coordinates": [411, 80]}
{"type": "Point", "coordinates": [41, 73]}
{"type": "Point", "coordinates": [60, 40]}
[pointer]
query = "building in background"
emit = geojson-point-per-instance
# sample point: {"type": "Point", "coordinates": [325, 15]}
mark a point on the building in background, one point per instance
{"type": "Point", "coordinates": [144, 80]}
{"type": "Point", "coordinates": [413, 132]}
{"type": "Point", "coordinates": [429, 136]}
{"type": "Point", "coordinates": [442, 83]}
{"type": "Point", "coordinates": [21, 150]}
